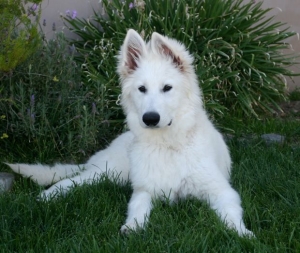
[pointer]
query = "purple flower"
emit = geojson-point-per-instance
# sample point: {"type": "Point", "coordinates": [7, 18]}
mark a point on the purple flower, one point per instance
{"type": "Point", "coordinates": [94, 109]}
{"type": "Point", "coordinates": [131, 5]}
{"type": "Point", "coordinates": [32, 117]}
{"type": "Point", "coordinates": [74, 14]}
{"type": "Point", "coordinates": [34, 7]}
{"type": "Point", "coordinates": [32, 99]}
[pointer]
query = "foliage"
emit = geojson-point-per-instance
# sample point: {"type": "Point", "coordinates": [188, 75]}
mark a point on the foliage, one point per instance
{"type": "Point", "coordinates": [19, 34]}
{"type": "Point", "coordinates": [238, 51]}
{"type": "Point", "coordinates": [68, 108]}
{"type": "Point", "coordinates": [49, 113]}
{"type": "Point", "coordinates": [294, 95]}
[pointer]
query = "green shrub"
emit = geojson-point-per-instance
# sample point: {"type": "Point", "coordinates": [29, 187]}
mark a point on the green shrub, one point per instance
{"type": "Point", "coordinates": [238, 51]}
{"type": "Point", "coordinates": [19, 35]}
{"type": "Point", "coordinates": [295, 95]}
{"type": "Point", "coordinates": [53, 107]}
{"type": "Point", "coordinates": [49, 113]}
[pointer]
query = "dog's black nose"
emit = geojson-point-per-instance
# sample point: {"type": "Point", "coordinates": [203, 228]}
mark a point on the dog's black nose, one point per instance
{"type": "Point", "coordinates": [151, 119]}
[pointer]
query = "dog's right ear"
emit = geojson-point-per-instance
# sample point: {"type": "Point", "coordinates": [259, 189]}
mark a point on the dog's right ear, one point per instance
{"type": "Point", "coordinates": [131, 52]}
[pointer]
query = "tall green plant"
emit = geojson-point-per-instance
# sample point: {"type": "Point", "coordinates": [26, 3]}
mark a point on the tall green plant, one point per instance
{"type": "Point", "coordinates": [49, 113]}
{"type": "Point", "coordinates": [238, 51]}
{"type": "Point", "coordinates": [19, 35]}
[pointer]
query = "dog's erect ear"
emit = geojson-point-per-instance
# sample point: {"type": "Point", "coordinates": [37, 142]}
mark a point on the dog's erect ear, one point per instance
{"type": "Point", "coordinates": [132, 50]}
{"type": "Point", "coordinates": [162, 45]}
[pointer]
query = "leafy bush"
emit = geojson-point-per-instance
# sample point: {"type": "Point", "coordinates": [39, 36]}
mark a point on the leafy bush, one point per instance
{"type": "Point", "coordinates": [19, 35]}
{"type": "Point", "coordinates": [49, 113]}
{"type": "Point", "coordinates": [68, 109]}
{"type": "Point", "coordinates": [238, 51]}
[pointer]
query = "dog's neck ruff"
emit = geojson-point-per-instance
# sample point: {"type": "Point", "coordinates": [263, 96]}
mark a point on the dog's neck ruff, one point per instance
{"type": "Point", "coordinates": [164, 137]}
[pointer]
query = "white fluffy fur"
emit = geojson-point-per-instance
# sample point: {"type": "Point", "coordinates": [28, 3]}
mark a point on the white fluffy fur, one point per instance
{"type": "Point", "coordinates": [182, 155]}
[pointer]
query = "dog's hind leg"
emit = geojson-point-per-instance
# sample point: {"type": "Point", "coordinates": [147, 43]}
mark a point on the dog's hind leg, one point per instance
{"type": "Point", "coordinates": [112, 161]}
{"type": "Point", "coordinates": [63, 186]}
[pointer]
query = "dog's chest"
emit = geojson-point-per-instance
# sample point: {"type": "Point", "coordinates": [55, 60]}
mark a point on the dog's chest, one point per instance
{"type": "Point", "coordinates": [161, 170]}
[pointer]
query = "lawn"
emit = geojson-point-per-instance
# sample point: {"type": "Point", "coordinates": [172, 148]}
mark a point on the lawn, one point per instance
{"type": "Point", "coordinates": [89, 218]}
{"type": "Point", "coordinates": [59, 104]}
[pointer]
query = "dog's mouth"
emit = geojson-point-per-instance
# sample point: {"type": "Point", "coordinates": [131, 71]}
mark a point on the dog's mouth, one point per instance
{"type": "Point", "coordinates": [160, 127]}
{"type": "Point", "coordinates": [156, 126]}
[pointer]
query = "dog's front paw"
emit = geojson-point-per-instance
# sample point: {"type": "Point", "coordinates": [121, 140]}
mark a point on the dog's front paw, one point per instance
{"type": "Point", "coordinates": [128, 228]}
{"type": "Point", "coordinates": [46, 195]}
{"type": "Point", "coordinates": [131, 227]}
{"type": "Point", "coordinates": [247, 233]}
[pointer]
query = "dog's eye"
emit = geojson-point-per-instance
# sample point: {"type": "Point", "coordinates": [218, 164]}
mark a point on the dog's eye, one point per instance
{"type": "Point", "coordinates": [167, 88]}
{"type": "Point", "coordinates": [142, 89]}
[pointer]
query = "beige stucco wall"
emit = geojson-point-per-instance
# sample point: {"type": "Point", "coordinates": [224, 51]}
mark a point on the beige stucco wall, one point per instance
{"type": "Point", "coordinates": [287, 11]}
{"type": "Point", "coordinates": [53, 9]}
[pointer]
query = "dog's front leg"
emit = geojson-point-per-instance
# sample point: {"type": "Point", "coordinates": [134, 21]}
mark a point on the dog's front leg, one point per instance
{"type": "Point", "coordinates": [227, 204]}
{"type": "Point", "coordinates": [139, 209]}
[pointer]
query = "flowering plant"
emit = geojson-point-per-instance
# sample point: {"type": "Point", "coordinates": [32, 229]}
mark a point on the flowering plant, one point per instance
{"type": "Point", "coordinates": [238, 51]}
{"type": "Point", "coordinates": [45, 107]}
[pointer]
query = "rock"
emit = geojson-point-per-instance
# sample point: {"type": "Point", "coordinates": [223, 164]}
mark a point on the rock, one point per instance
{"type": "Point", "coordinates": [273, 138]}
{"type": "Point", "coordinates": [6, 181]}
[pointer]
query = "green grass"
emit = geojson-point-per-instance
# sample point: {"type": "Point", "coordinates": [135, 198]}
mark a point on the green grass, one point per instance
{"type": "Point", "coordinates": [89, 218]}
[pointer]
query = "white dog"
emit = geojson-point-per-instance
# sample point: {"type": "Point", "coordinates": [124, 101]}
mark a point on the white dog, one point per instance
{"type": "Point", "coordinates": [172, 149]}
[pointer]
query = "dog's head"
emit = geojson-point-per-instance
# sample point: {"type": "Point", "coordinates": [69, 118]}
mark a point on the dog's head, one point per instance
{"type": "Point", "coordinates": [159, 85]}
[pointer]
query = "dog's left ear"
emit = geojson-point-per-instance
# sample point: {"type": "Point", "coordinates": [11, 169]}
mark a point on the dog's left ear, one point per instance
{"type": "Point", "coordinates": [164, 47]}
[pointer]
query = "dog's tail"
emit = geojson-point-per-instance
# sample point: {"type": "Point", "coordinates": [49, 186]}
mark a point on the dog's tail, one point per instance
{"type": "Point", "coordinates": [45, 174]}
